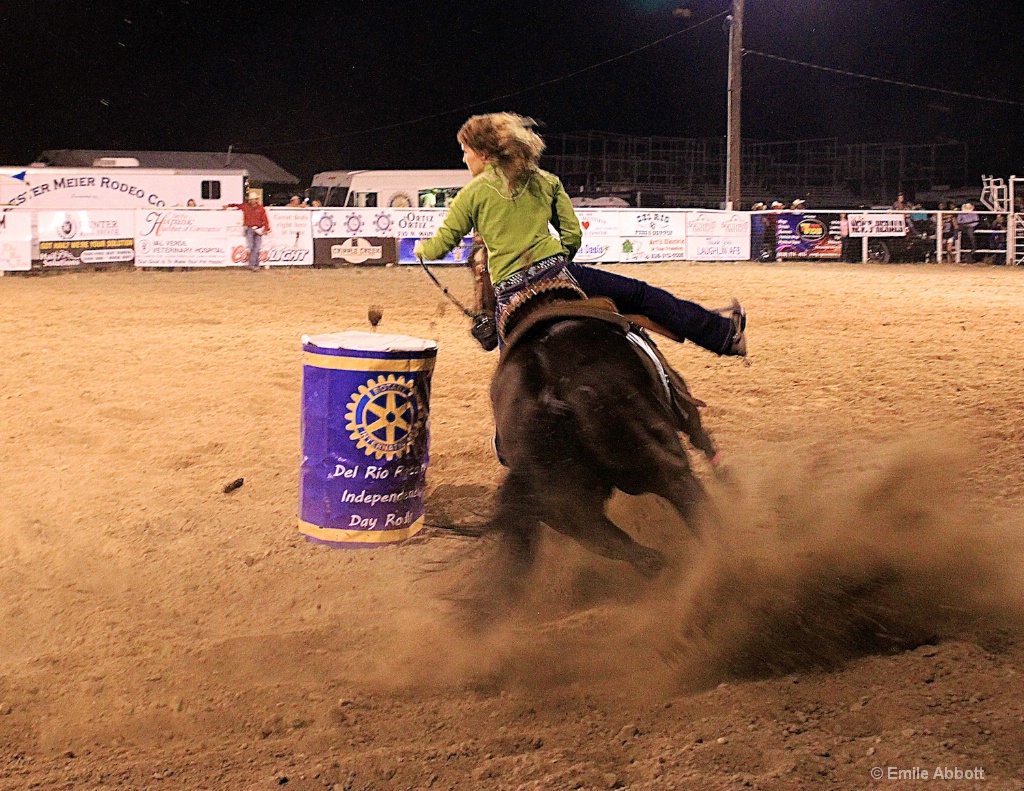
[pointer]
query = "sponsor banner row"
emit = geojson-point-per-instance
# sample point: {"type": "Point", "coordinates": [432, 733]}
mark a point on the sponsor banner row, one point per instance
{"type": "Point", "coordinates": [166, 238]}
{"type": "Point", "coordinates": [423, 223]}
{"type": "Point", "coordinates": [331, 237]}
{"type": "Point", "coordinates": [696, 236]}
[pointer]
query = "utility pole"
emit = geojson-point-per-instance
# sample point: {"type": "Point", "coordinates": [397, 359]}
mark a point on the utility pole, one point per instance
{"type": "Point", "coordinates": [734, 145]}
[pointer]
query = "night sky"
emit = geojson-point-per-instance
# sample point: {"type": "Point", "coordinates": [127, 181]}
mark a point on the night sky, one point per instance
{"type": "Point", "coordinates": [344, 85]}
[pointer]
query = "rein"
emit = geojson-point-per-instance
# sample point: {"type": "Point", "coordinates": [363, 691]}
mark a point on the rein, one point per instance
{"type": "Point", "coordinates": [444, 289]}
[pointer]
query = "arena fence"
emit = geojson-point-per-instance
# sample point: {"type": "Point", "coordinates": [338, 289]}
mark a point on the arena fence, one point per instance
{"type": "Point", "coordinates": [40, 240]}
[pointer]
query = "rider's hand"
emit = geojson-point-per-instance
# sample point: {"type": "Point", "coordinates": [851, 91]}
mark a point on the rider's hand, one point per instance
{"type": "Point", "coordinates": [417, 249]}
{"type": "Point", "coordinates": [485, 330]}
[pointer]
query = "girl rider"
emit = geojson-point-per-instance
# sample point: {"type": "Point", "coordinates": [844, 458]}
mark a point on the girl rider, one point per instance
{"type": "Point", "coordinates": [510, 203]}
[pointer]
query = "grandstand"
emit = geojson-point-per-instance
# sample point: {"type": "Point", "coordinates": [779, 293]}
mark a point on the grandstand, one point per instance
{"type": "Point", "coordinates": [668, 171]}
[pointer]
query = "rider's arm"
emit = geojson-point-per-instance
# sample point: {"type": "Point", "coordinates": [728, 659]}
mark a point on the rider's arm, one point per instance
{"type": "Point", "coordinates": [455, 227]}
{"type": "Point", "coordinates": [485, 300]}
{"type": "Point", "coordinates": [566, 222]}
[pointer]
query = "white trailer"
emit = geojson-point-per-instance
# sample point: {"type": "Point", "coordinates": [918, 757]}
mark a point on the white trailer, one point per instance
{"type": "Point", "coordinates": [388, 188]}
{"type": "Point", "coordinates": [45, 187]}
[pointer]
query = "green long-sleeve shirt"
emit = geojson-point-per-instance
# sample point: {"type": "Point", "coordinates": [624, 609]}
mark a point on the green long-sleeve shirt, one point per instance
{"type": "Point", "coordinates": [514, 227]}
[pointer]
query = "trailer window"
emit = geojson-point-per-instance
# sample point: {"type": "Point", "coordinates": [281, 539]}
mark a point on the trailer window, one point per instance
{"type": "Point", "coordinates": [437, 197]}
{"type": "Point", "coordinates": [367, 200]}
{"type": "Point", "coordinates": [329, 196]}
{"type": "Point", "coordinates": [211, 190]}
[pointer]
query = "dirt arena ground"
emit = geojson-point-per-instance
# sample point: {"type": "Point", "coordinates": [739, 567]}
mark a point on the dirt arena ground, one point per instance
{"type": "Point", "coordinates": [858, 608]}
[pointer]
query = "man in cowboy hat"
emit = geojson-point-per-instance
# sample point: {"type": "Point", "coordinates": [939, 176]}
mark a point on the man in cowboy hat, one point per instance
{"type": "Point", "coordinates": [771, 232]}
{"type": "Point", "coordinates": [255, 225]}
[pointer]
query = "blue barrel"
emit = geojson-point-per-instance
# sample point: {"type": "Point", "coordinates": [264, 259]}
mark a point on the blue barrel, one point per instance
{"type": "Point", "coordinates": [365, 437]}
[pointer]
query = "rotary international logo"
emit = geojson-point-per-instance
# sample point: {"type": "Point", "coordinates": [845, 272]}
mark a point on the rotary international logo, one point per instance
{"type": "Point", "coordinates": [383, 415]}
{"type": "Point", "coordinates": [353, 223]}
{"type": "Point", "coordinates": [325, 223]}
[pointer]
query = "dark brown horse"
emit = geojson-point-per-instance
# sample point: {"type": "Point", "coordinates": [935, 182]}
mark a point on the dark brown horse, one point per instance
{"type": "Point", "coordinates": [580, 412]}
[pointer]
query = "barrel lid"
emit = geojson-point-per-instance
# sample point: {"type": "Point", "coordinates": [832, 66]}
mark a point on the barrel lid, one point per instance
{"type": "Point", "coordinates": [369, 342]}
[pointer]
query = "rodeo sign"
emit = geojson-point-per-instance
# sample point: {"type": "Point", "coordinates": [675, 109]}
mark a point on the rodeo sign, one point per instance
{"type": "Point", "coordinates": [878, 225]}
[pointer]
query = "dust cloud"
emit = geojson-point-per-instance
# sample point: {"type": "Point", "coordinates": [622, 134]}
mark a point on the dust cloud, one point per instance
{"type": "Point", "coordinates": [806, 566]}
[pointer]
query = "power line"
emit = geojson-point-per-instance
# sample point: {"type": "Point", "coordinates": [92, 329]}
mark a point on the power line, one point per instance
{"type": "Point", "coordinates": [900, 83]}
{"type": "Point", "coordinates": [493, 99]}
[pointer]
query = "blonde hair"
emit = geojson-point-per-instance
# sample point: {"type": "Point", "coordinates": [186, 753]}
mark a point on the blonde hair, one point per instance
{"type": "Point", "coordinates": [508, 140]}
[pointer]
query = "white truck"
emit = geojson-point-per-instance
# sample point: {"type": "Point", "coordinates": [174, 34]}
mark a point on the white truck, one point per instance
{"type": "Point", "coordinates": [388, 188]}
{"type": "Point", "coordinates": [119, 187]}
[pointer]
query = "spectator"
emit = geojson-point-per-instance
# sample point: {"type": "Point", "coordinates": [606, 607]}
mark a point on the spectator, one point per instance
{"type": "Point", "coordinates": [294, 203]}
{"type": "Point", "coordinates": [901, 203]}
{"type": "Point", "coordinates": [771, 232]}
{"type": "Point", "coordinates": [966, 221]}
{"type": "Point", "coordinates": [190, 203]}
{"type": "Point", "coordinates": [849, 242]}
{"type": "Point", "coordinates": [948, 229]}
{"type": "Point", "coordinates": [255, 224]}
{"type": "Point", "coordinates": [798, 205]}
{"type": "Point", "coordinates": [999, 234]}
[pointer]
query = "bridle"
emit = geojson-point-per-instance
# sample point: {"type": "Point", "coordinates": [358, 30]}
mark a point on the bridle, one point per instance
{"type": "Point", "coordinates": [444, 290]}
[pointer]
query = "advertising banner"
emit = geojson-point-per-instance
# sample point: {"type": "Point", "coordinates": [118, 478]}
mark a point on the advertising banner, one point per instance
{"type": "Point", "coordinates": [415, 223]}
{"type": "Point", "coordinates": [348, 223]}
{"type": "Point", "coordinates": [652, 223]}
{"type": "Point", "coordinates": [185, 238]}
{"type": "Point", "coordinates": [600, 223]}
{"type": "Point", "coordinates": [355, 250]}
{"type": "Point", "coordinates": [74, 188]}
{"type": "Point", "coordinates": [353, 236]}
{"type": "Point", "coordinates": [878, 224]}
{"type": "Point", "coordinates": [15, 241]}
{"type": "Point", "coordinates": [460, 255]}
{"type": "Point", "coordinates": [800, 235]}
{"type": "Point", "coordinates": [289, 243]}
{"type": "Point", "coordinates": [658, 248]}
{"type": "Point", "coordinates": [602, 249]}
{"type": "Point", "coordinates": [717, 236]}
{"type": "Point", "coordinates": [92, 237]}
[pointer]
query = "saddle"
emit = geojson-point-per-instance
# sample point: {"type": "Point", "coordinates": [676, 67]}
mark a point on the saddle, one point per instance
{"type": "Point", "coordinates": [670, 386]}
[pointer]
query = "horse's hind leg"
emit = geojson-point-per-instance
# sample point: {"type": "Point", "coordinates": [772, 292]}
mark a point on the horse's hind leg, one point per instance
{"type": "Point", "coordinates": [665, 471]}
{"type": "Point", "coordinates": [582, 518]}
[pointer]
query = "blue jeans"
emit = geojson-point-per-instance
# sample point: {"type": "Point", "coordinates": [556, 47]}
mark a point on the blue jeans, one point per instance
{"type": "Point", "coordinates": [254, 240]}
{"type": "Point", "coordinates": [684, 319]}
